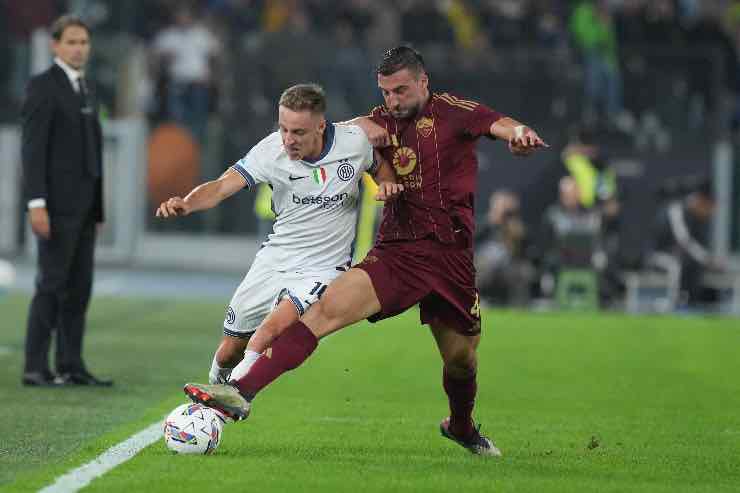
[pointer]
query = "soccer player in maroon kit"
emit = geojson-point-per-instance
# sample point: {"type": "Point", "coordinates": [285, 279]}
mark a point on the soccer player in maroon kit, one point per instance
{"type": "Point", "coordinates": [424, 250]}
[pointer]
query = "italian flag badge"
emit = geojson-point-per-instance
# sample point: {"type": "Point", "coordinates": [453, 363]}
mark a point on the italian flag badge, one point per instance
{"type": "Point", "coordinates": [319, 175]}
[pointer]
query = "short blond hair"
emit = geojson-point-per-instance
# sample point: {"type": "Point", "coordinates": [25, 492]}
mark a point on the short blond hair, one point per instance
{"type": "Point", "coordinates": [304, 97]}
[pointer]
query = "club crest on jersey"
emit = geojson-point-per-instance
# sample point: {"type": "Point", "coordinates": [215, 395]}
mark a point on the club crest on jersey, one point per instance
{"type": "Point", "coordinates": [425, 125]}
{"type": "Point", "coordinates": [345, 172]}
{"type": "Point", "coordinates": [404, 160]}
{"type": "Point", "coordinates": [319, 175]}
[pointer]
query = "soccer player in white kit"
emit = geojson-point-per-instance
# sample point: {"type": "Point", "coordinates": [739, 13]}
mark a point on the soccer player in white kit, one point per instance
{"type": "Point", "coordinates": [314, 169]}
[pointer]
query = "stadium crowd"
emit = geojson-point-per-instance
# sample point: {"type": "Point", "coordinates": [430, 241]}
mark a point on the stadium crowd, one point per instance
{"type": "Point", "coordinates": [596, 35]}
{"type": "Point", "coordinates": [214, 61]}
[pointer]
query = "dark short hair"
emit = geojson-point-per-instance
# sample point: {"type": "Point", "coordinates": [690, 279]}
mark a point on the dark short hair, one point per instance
{"type": "Point", "coordinates": [304, 97]}
{"type": "Point", "coordinates": [65, 21]}
{"type": "Point", "coordinates": [399, 58]}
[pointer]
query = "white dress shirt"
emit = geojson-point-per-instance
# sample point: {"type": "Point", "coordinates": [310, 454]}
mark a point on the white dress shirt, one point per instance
{"type": "Point", "coordinates": [73, 74]}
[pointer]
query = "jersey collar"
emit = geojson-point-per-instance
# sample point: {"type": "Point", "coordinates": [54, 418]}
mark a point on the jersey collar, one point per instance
{"type": "Point", "coordinates": [328, 143]}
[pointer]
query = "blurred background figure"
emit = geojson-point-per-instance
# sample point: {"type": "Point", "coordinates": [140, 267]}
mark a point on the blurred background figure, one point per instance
{"type": "Point", "coordinates": [681, 241]}
{"type": "Point", "coordinates": [22, 19]}
{"type": "Point", "coordinates": [592, 28]}
{"type": "Point", "coordinates": [186, 58]}
{"type": "Point", "coordinates": [503, 272]}
{"type": "Point", "coordinates": [596, 180]}
{"type": "Point", "coordinates": [571, 237]}
{"type": "Point", "coordinates": [263, 211]}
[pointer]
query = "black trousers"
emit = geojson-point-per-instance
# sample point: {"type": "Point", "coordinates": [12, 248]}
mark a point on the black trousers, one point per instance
{"type": "Point", "coordinates": [63, 287]}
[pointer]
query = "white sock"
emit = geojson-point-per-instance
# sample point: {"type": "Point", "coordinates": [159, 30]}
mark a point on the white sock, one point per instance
{"type": "Point", "coordinates": [218, 374]}
{"type": "Point", "coordinates": [245, 364]}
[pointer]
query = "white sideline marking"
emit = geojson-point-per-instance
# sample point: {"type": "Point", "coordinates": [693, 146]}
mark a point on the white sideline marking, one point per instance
{"type": "Point", "coordinates": [78, 478]}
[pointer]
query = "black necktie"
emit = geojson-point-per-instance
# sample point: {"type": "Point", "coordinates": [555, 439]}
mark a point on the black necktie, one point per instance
{"type": "Point", "coordinates": [92, 159]}
{"type": "Point", "coordinates": [83, 93]}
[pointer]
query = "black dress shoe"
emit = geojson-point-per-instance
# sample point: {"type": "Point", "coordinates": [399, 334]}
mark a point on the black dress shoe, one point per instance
{"type": "Point", "coordinates": [40, 379]}
{"type": "Point", "coordinates": [83, 377]}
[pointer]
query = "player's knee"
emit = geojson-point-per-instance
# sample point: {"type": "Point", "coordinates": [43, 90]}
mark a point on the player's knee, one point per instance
{"type": "Point", "coordinates": [462, 363]}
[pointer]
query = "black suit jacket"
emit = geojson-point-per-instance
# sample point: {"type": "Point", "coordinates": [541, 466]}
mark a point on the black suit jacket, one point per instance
{"type": "Point", "coordinates": [54, 152]}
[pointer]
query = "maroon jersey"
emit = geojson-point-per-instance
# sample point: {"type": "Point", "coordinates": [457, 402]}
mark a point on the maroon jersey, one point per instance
{"type": "Point", "coordinates": [434, 157]}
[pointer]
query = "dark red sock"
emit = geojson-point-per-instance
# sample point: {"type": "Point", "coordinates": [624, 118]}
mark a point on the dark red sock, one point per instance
{"type": "Point", "coordinates": [461, 395]}
{"type": "Point", "coordinates": [289, 350]}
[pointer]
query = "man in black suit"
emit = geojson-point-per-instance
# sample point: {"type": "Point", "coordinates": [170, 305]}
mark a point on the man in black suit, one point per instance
{"type": "Point", "coordinates": [62, 170]}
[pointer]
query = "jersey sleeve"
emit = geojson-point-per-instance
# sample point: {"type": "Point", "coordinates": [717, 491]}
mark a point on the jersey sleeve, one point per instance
{"type": "Point", "coordinates": [369, 163]}
{"type": "Point", "coordinates": [376, 115]}
{"type": "Point", "coordinates": [477, 123]}
{"type": "Point", "coordinates": [252, 167]}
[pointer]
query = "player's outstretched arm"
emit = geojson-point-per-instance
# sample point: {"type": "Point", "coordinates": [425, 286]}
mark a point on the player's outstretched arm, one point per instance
{"type": "Point", "coordinates": [522, 140]}
{"type": "Point", "coordinates": [385, 177]}
{"type": "Point", "coordinates": [204, 196]}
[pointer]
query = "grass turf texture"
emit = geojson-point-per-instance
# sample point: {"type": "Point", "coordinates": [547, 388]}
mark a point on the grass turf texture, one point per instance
{"type": "Point", "coordinates": [576, 402]}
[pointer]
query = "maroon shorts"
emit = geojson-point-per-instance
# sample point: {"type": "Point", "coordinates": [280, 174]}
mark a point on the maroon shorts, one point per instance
{"type": "Point", "coordinates": [439, 277]}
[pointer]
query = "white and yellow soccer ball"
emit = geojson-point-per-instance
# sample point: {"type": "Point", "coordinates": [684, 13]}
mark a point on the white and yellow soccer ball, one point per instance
{"type": "Point", "coordinates": [193, 429]}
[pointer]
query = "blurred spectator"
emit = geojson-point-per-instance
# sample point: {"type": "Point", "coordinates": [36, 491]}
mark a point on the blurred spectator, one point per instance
{"type": "Point", "coordinates": [239, 16]}
{"type": "Point", "coordinates": [276, 14]}
{"type": "Point", "coordinates": [424, 23]}
{"type": "Point", "coordinates": [595, 179]}
{"type": "Point", "coordinates": [263, 211]}
{"type": "Point", "coordinates": [549, 21]}
{"type": "Point", "coordinates": [350, 80]}
{"type": "Point", "coordinates": [571, 235]}
{"type": "Point", "coordinates": [299, 49]}
{"type": "Point", "coordinates": [22, 19]}
{"type": "Point", "coordinates": [189, 52]}
{"type": "Point", "coordinates": [152, 16]}
{"type": "Point", "coordinates": [592, 28]}
{"type": "Point", "coordinates": [503, 273]}
{"type": "Point", "coordinates": [385, 30]}
{"type": "Point", "coordinates": [706, 33]}
{"type": "Point", "coordinates": [506, 21]}
{"type": "Point", "coordinates": [464, 24]}
{"type": "Point", "coordinates": [680, 239]}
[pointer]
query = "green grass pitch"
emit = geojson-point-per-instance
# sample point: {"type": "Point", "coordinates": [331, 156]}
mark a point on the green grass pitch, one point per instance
{"type": "Point", "coordinates": [576, 402]}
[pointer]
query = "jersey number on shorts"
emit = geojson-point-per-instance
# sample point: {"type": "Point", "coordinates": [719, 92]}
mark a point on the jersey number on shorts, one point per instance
{"type": "Point", "coordinates": [318, 290]}
{"type": "Point", "coordinates": [475, 309]}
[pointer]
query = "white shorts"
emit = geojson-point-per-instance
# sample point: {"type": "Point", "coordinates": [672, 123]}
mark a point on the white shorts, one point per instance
{"type": "Point", "coordinates": [264, 287]}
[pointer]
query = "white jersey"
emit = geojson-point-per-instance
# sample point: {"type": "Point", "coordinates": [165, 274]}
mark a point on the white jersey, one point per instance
{"type": "Point", "coordinates": [315, 202]}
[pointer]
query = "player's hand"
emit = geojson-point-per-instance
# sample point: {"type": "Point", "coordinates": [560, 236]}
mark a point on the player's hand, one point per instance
{"type": "Point", "coordinates": [525, 141]}
{"type": "Point", "coordinates": [377, 135]}
{"type": "Point", "coordinates": [388, 191]}
{"type": "Point", "coordinates": [40, 224]}
{"type": "Point", "coordinates": [175, 206]}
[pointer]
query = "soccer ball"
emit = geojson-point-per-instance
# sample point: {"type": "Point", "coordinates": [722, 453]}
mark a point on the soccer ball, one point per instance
{"type": "Point", "coordinates": [193, 429]}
